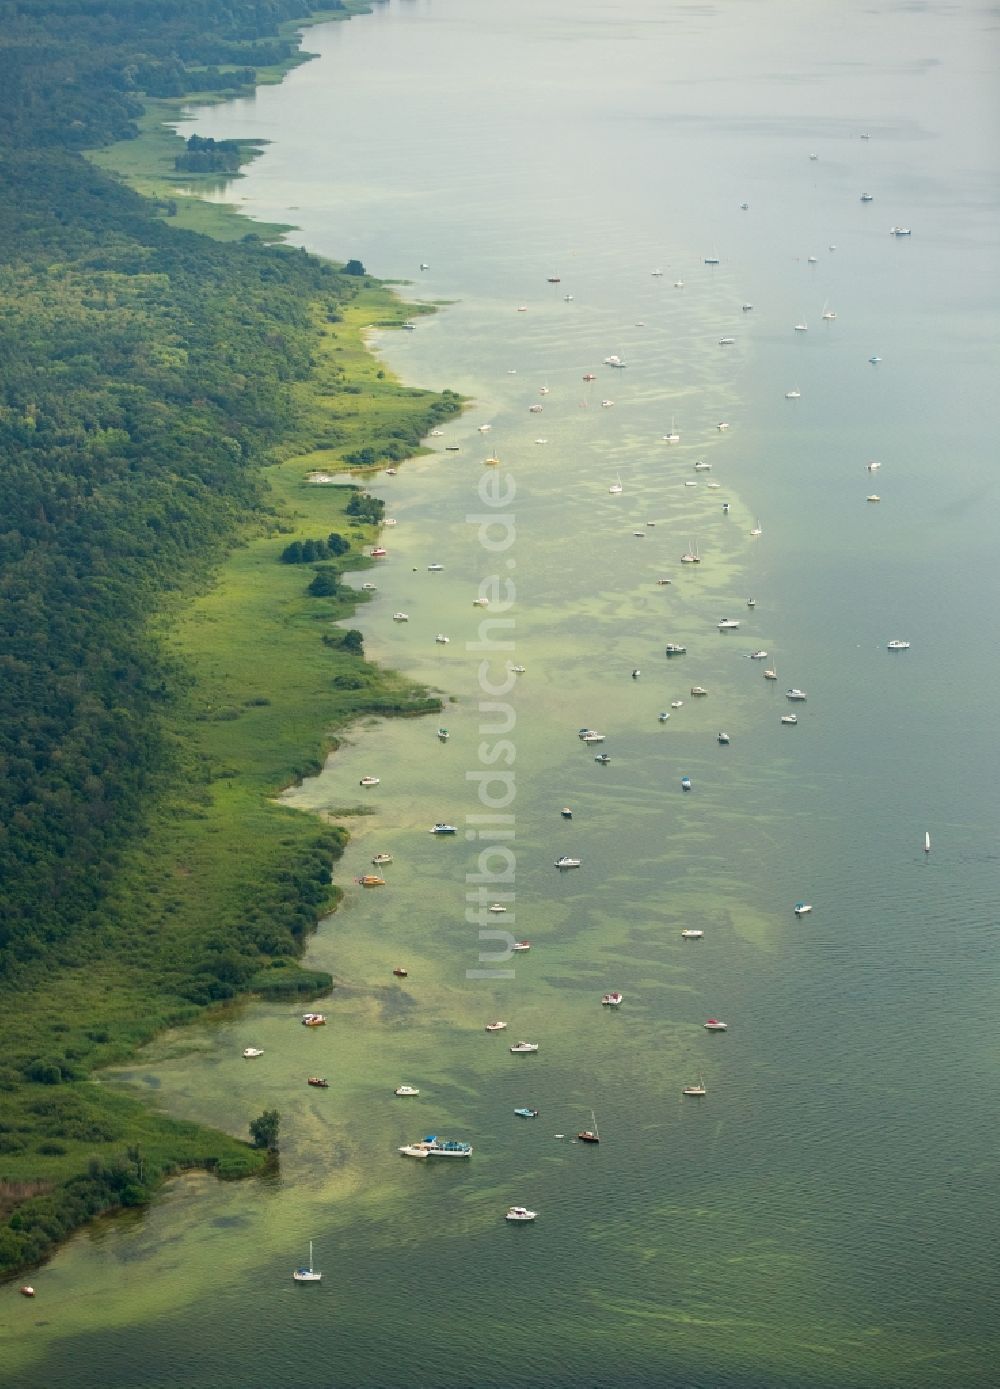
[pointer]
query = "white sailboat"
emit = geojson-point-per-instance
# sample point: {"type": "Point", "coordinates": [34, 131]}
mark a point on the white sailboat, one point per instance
{"type": "Point", "coordinates": [307, 1274]}
{"type": "Point", "coordinates": [616, 487]}
{"type": "Point", "coordinates": [927, 841]}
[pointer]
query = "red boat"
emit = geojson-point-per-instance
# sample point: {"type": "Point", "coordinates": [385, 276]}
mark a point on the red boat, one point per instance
{"type": "Point", "coordinates": [319, 1082]}
{"type": "Point", "coordinates": [714, 1025]}
{"type": "Point", "coordinates": [379, 552]}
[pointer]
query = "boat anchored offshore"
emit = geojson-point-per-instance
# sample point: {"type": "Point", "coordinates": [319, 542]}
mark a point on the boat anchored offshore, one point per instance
{"type": "Point", "coordinates": [526, 1112]}
{"type": "Point", "coordinates": [319, 1082]}
{"type": "Point", "coordinates": [442, 828]}
{"type": "Point", "coordinates": [520, 1215]}
{"type": "Point", "coordinates": [692, 933]}
{"type": "Point", "coordinates": [498, 1026]}
{"type": "Point", "coordinates": [789, 718]}
{"type": "Point", "coordinates": [590, 1135]}
{"type": "Point", "coordinates": [613, 999]}
{"type": "Point", "coordinates": [715, 1025]}
{"type": "Point", "coordinates": [523, 1048]}
{"type": "Point", "coordinates": [432, 1146]}
{"type": "Point", "coordinates": [313, 1019]}
{"type": "Point", "coordinates": [250, 1052]}
{"type": "Point", "coordinates": [897, 645]}
{"type": "Point", "coordinates": [796, 695]}
{"type": "Point", "coordinates": [802, 908]}
{"type": "Point", "coordinates": [405, 1090]}
{"type": "Point", "coordinates": [697, 1090]}
{"type": "Point", "coordinates": [307, 1274]}
{"type": "Point", "coordinates": [564, 861]}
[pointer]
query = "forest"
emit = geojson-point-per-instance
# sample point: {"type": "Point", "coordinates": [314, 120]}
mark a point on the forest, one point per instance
{"type": "Point", "coordinates": [152, 378]}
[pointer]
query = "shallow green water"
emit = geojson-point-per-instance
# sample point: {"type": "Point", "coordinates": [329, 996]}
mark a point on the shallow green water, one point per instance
{"type": "Point", "coordinates": [824, 1217]}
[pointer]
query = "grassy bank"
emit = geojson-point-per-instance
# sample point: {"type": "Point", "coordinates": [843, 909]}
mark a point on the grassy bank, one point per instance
{"type": "Point", "coordinates": [232, 669]}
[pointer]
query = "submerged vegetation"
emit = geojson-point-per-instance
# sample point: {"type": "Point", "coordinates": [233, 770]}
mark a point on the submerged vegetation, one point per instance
{"type": "Point", "coordinates": [159, 393]}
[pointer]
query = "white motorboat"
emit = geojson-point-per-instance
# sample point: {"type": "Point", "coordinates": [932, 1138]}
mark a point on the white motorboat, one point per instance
{"type": "Point", "coordinates": [523, 1048]}
{"type": "Point", "coordinates": [802, 908]}
{"type": "Point", "coordinates": [432, 1146]}
{"type": "Point", "coordinates": [793, 395]}
{"type": "Point", "coordinates": [369, 781]}
{"type": "Point", "coordinates": [728, 624]}
{"type": "Point", "coordinates": [691, 933]}
{"type": "Point", "coordinates": [674, 648]}
{"type": "Point", "coordinates": [758, 655]}
{"type": "Point", "coordinates": [789, 718]}
{"type": "Point", "coordinates": [369, 588]}
{"type": "Point", "coordinates": [564, 861]}
{"type": "Point", "coordinates": [697, 1090]}
{"type": "Point", "coordinates": [498, 1026]}
{"type": "Point", "coordinates": [614, 361]}
{"type": "Point", "coordinates": [382, 858]}
{"type": "Point", "coordinates": [676, 703]}
{"type": "Point", "coordinates": [899, 231]}
{"type": "Point", "coordinates": [441, 639]}
{"type": "Point", "coordinates": [702, 467]}
{"type": "Point", "coordinates": [867, 198]}
{"type": "Point", "coordinates": [401, 617]}
{"type": "Point", "coordinates": [802, 327]}
{"type": "Point", "coordinates": [897, 645]}
{"type": "Point", "coordinates": [405, 1090]}
{"type": "Point", "coordinates": [521, 946]}
{"type": "Point", "coordinates": [496, 908]}
{"type": "Point", "coordinates": [873, 498]}
{"type": "Point", "coordinates": [517, 670]}
{"type": "Point", "coordinates": [442, 828]}
{"type": "Point", "coordinates": [796, 695]}
{"type": "Point", "coordinates": [519, 1215]}
{"type": "Point", "coordinates": [726, 342]}
{"type": "Point", "coordinates": [615, 999]}
{"type": "Point", "coordinates": [590, 735]}
{"type": "Point", "coordinates": [715, 1025]}
{"type": "Point", "coordinates": [250, 1052]}
{"type": "Point", "coordinates": [722, 426]}
{"type": "Point", "coordinates": [872, 467]}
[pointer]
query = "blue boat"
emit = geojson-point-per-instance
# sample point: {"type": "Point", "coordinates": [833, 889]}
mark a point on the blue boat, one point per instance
{"type": "Point", "coordinates": [685, 783]}
{"type": "Point", "coordinates": [526, 1113]}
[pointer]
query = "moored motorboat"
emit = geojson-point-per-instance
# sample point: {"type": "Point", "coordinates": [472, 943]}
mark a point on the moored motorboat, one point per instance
{"type": "Point", "coordinates": [692, 933]}
{"type": "Point", "coordinates": [401, 617]}
{"type": "Point", "coordinates": [523, 1048]}
{"type": "Point", "coordinates": [613, 999]}
{"type": "Point", "coordinates": [250, 1052]}
{"type": "Point", "coordinates": [319, 1082]}
{"type": "Point", "coordinates": [441, 828]}
{"type": "Point", "coordinates": [674, 648]}
{"type": "Point", "coordinates": [565, 861]}
{"type": "Point", "coordinates": [566, 813]}
{"type": "Point", "coordinates": [313, 1019]}
{"type": "Point", "coordinates": [443, 734]}
{"type": "Point", "coordinates": [498, 1026]}
{"type": "Point", "coordinates": [441, 639]}
{"type": "Point", "coordinates": [789, 718]}
{"type": "Point", "coordinates": [590, 735]}
{"type": "Point", "coordinates": [696, 1090]}
{"type": "Point", "coordinates": [796, 695]}
{"type": "Point", "coordinates": [520, 1215]}
{"type": "Point", "coordinates": [381, 858]}
{"type": "Point", "coordinates": [897, 645]}
{"type": "Point", "coordinates": [727, 624]}
{"type": "Point", "coordinates": [698, 691]}
{"type": "Point", "coordinates": [406, 1090]}
{"type": "Point", "coordinates": [715, 1025]}
{"type": "Point", "coordinates": [802, 908]}
{"type": "Point", "coordinates": [525, 1112]}
{"type": "Point", "coordinates": [432, 1146]}
{"type": "Point", "coordinates": [603, 759]}
{"type": "Point", "coordinates": [723, 739]}
{"type": "Point", "coordinates": [758, 655]}
{"type": "Point", "coordinates": [685, 783]}
{"type": "Point", "coordinates": [369, 781]}
{"type": "Point", "coordinates": [496, 908]}
{"type": "Point", "coordinates": [521, 945]}
{"type": "Point", "coordinates": [371, 880]}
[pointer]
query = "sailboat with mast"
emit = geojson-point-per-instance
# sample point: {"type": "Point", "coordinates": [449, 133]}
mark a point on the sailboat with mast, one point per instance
{"type": "Point", "coordinates": [307, 1274]}
{"type": "Point", "coordinates": [590, 1135]}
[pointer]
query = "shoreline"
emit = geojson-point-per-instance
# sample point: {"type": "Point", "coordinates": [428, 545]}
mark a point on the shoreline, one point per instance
{"type": "Point", "coordinates": [236, 815]}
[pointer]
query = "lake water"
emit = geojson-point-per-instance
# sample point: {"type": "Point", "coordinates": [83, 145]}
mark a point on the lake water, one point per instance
{"type": "Point", "coordinates": [825, 1216]}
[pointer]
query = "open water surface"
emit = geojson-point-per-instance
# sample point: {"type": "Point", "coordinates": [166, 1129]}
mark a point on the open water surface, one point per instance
{"type": "Point", "coordinates": [826, 1215]}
